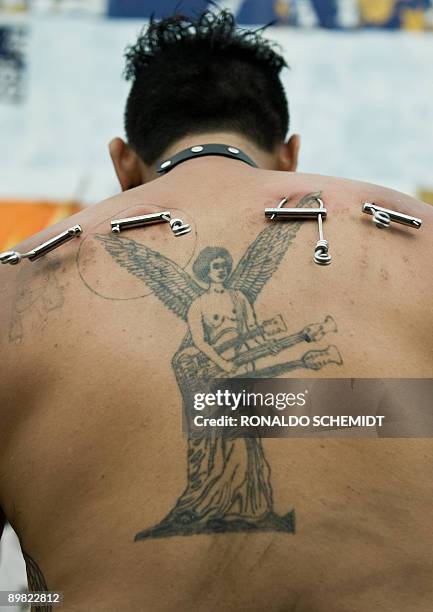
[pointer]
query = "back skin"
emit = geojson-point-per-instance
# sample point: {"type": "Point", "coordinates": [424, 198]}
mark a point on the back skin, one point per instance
{"type": "Point", "coordinates": [94, 474]}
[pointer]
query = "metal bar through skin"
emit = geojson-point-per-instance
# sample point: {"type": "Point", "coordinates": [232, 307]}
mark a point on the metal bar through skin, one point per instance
{"type": "Point", "coordinates": [397, 217]}
{"type": "Point", "coordinates": [53, 243]}
{"type": "Point", "coordinates": [150, 219]}
{"type": "Point", "coordinates": [295, 213]}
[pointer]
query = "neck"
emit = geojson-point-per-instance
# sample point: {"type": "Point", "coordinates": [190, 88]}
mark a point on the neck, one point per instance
{"type": "Point", "coordinates": [263, 159]}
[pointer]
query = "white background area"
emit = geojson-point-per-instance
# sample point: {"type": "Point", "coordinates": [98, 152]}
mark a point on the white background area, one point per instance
{"type": "Point", "coordinates": [362, 102]}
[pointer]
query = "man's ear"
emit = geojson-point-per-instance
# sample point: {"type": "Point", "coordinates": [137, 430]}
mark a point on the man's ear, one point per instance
{"type": "Point", "coordinates": [127, 164]}
{"type": "Point", "coordinates": [288, 154]}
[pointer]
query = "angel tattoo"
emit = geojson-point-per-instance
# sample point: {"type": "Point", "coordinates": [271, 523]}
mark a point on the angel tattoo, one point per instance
{"type": "Point", "coordinates": [229, 486]}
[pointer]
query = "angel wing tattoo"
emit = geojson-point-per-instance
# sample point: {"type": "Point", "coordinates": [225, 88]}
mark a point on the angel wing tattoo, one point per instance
{"type": "Point", "coordinates": [175, 287]}
{"type": "Point", "coordinates": [168, 281]}
{"type": "Point", "coordinates": [224, 336]}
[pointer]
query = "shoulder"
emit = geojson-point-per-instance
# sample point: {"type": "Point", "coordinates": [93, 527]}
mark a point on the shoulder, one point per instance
{"type": "Point", "coordinates": [351, 191]}
{"type": "Point", "coordinates": [345, 198]}
{"type": "Point", "coordinates": [26, 289]}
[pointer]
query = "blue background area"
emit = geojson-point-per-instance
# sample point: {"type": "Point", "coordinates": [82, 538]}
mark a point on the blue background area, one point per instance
{"type": "Point", "coordinates": [161, 8]}
{"type": "Point", "coordinates": [257, 11]}
{"type": "Point", "coordinates": [326, 12]}
{"type": "Point", "coordinates": [251, 11]}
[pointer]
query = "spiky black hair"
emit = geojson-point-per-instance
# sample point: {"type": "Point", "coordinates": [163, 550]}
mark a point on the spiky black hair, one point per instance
{"type": "Point", "coordinates": [191, 76]}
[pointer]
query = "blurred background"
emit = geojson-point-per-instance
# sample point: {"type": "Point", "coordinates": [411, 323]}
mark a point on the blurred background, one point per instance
{"type": "Point", "coordinates": [359, 90]}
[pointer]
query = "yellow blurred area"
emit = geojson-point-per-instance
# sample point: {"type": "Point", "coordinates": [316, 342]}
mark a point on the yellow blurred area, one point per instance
{"type": "Point", "coordinates": [426, 195]}
{"type": "Point", "coordinates": [21, 219]}
{"type": "Point", "coordinates": [282, 9]}
{"type": "Point", "coordinates": [413, 19]}
{"type": "Point", "coordinates": [15, 7]}
{"type": "Point", "coordinates": [376, 11]}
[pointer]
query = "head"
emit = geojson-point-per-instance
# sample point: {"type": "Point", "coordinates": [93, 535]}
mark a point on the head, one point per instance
{"type": "Point", "coordinates": [213, 265]}
{"type": "Point", "coordinates": [203, 76]}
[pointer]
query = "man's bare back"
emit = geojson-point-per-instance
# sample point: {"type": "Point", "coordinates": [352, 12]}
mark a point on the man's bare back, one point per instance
{"type": "Point", "coordinates": [93, 458]}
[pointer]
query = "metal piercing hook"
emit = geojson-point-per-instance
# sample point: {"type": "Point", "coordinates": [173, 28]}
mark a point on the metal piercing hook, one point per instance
{"type": "Point", "coordinates": [129, 222]}
{"type": "Point", "coordinates": [13, 257]}
{"type": "Point", "coordinates": [321, 255]}
{"type": "Point", "coordinates": [179, 227]}
{"type": "Point", "coordinates": [280, 205]}
{"type": "Point", "coordinates": [382, 217]}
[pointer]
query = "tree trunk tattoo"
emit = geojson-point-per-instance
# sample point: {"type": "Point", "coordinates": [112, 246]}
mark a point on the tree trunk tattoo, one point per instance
{"type": "Point", "coordinates": [36, 582]}
{"type": "Point", "coordinates": [228, 478]}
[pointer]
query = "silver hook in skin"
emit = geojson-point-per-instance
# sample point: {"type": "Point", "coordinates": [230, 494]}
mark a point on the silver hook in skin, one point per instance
{"type": "Point", "coordinates": [382, 217]}
{"type": "Point", "coordinates": [177, 225]}
{"type": "Point", "coordinates": [13, 257]}
{"type": "Point", "coordinates": [321, 254]}
{"type": "Point", "coordinates": [129, 222]}
{"type": "Point", "coordinates": [280, 205]}
{"type": "Point", "coordinates": [179, 228]}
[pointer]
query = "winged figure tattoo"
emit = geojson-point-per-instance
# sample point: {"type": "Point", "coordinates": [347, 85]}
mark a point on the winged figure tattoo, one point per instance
{"type": "Point", "coordinates": [228, 478]}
